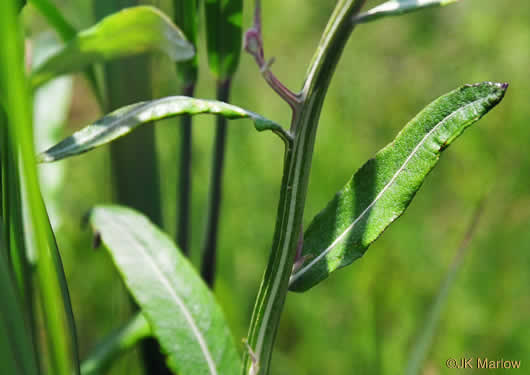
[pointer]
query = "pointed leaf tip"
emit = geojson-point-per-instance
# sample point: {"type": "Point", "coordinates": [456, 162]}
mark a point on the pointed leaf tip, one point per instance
{"type": "Point", "coordinates": [383, 188]}
{"type": "Point", "coordinates": [181, 310]}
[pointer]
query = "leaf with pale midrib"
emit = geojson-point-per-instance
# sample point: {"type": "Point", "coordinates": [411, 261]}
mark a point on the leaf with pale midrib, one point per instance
{"type": "Point", "coordinates": [399, 7]}
{"type": "Point", "coordinates": [383, 188]}
{"type": "Point", "coordinates": [129, 32]}
{"type": "Point", "coordinates": [124, 120]}
{"type": "Point", "coordinates": [182, 311]}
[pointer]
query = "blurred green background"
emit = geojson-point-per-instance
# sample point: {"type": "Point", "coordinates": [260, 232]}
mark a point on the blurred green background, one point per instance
{"type": "Point", "coordinates": [365, 318]}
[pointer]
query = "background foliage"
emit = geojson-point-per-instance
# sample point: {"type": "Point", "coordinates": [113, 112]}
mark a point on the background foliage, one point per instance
{"type": "Point", "coordinates": [365, 317]}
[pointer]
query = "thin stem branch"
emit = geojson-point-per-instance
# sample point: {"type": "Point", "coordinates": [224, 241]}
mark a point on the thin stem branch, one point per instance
{"type": "Point", "coordinates": [184, 186]}
{"type": "Point", "coordinates": [271, 296]}
{"type": "Point", "coordinates": [212, 225]}
{"type": "Point", "coordinates": [254, 46]}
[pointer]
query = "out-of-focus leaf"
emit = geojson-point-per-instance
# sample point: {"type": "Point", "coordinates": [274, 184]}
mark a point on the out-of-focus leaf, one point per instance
{"type": "Point", "coordinates": [223, 35]}
{"type": "Point", "coordinates": [399, 7]}
{"type": "Point", "coordinates": [65, 30]}
{"type": "Point", "coordinates": [124, 120]}
{"type": "Point", "coordinates": [118, 342]}
{"type": "Point", "coordinates": [180, 308]}
{"type": "Point", "coordinates": [51, 104]}
{"type": "Point", "coordinates": [17, 355]}
{"type": "Point", "coordinates": [383, 188]}
{"type": "Point", "coordinates": [187, 17]}
{"type": "Point", "coordinates": [20, 4]}
{"type": "Point", "coordinates": [128, 32]}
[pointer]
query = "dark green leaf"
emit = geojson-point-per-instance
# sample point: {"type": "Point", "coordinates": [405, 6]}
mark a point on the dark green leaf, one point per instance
{"type": "Point", "coordinates": [180, 308]}
{"type": "Point", "coordinates": [124, 120]}
{"type": "Point", "coordinates": [223, 35]}
{"type": "Point", "coordinates": [187, 17]}
{"type": "Point", "coordinates": [128, 32]}
{"type": "Point", "coordinates": [398, 7]}
{"type": "Point", "coordinates": [383, 188]}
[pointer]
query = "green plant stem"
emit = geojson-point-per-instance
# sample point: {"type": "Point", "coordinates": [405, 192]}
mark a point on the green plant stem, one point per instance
{"type": "Point", "coordinates": [115, 344]}
{"type": "Point", "coordinates": [214, 208]}
{"type": "Point", "coordinates": [55, 300]}
{"type": "Point", "coordinates": [184, 186]}
{"type": "Point", "coordinates": [134, 160]}
{"type": "Point", "coordinates": [271, 296]}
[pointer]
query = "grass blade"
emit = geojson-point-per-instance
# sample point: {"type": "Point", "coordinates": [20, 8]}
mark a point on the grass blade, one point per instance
{"type": "Point", "coordinates": [126, 33]}
{"type": "Point", "coordinates": [57, 313]}
{"type": "Point", "coordinates": [399, 7]}
{"type": "Point", "coordinates": [180, 308]}
{"type": "Point", "coordinates": [424, 341]}
{"type": "Point", "coordinates": [124, 120]}
{"type": "Point", "coordinates": [384, 187]}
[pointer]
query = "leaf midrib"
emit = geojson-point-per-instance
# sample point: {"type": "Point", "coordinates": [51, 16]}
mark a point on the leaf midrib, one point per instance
{"type": "Point", "coordinates": [165, 282]}
{"type": "Point", "coordinates": [343, 235]}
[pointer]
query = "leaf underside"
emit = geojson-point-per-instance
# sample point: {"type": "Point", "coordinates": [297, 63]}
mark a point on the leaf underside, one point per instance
{"type": "Point", "coordinates": [132, 31]}
{"type": "Point", "coordinates": [126, 119]}
{"type": "Point", "coordinates": [383, 188]}
{"type": "Point", "coordinates": [183, 313]}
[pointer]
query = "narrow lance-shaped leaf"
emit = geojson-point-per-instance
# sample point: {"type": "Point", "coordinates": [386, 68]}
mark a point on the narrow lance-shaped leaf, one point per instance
{"type": "Point", "coordinates": [399, 7]}
{"type": "Point", "coordinates": [128, 32]}
{"type": "Point", "coordinates": [124, 120]}
{"type": "Point", "coordinates": [181, 310]}
{"type": "Point", "coordinates": [223, 35]}
{"type": "Point", "coordinates": [383, 188]}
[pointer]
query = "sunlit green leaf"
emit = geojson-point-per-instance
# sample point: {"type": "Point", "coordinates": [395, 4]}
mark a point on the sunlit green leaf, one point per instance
{"type": "Point", "coordinates": [180, 308]}
{"type": "Point", "coordinates": [223, 35]}
{"type": "Point", "coordinates": [398, 7]}
{"type": "Point", "coordinates": [383, 188]}
{"type": "Point", "coordinates": [124, 120]}
{"type": "Point", "coordinates": [128, 32]}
